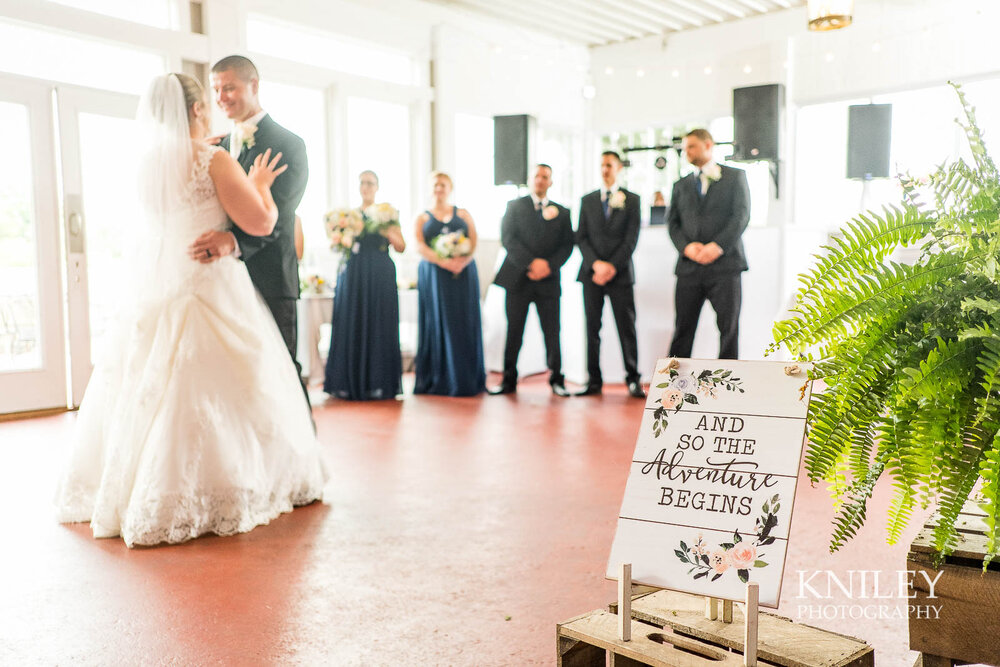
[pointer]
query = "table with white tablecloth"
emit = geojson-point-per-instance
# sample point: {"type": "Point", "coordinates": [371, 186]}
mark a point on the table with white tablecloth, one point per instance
{"type": "Point", "coordinates": [315, 314]}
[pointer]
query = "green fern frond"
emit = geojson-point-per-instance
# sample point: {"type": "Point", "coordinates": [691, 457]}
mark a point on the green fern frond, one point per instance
{"type": "Point", "coordinates": [974, 135]}
{"type": "Point", "coordinates": [854, 510]}
{"type": "Point", "coordinates": [834, 314]}
{"type": "Point", "coordinates": [909, 353]}
{"type": "Point", "coordinates": [989, 471]}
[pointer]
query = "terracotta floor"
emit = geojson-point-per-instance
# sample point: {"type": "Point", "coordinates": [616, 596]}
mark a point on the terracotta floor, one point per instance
{"type": "Point", "coordinates": [460, 533]}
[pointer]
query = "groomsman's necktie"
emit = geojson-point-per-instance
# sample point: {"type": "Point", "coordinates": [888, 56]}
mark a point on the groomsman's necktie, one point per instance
{"type": "Point", "coordinates": [607, 204]}
{"type": "Point", "coordinates": [698, 183]}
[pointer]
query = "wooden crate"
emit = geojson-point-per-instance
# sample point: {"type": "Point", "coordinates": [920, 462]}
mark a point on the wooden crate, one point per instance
{"type": "Point", "coordinates": [663, 620]}
{"type": "Point", "coordinates": [967, 629]}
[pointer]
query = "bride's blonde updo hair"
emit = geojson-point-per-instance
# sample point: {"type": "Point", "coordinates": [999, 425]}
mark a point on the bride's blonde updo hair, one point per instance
{"type": "Point", "coordinates": [193, 90]}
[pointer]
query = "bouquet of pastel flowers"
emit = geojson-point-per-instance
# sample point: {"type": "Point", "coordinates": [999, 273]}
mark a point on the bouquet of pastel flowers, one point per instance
{"type": "Point", "coordinates": [455, 244]}
{"type": "Point", "coordinates": [343, 227]}
{"type": "Point", "coordinates": [379, 217]}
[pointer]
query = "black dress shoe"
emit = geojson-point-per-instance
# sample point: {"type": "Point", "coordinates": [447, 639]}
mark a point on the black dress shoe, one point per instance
{"type": "Point", "coordinates": [590, 390]}
{"type": "Point", "coordinates": [503, 388]}
{"type": "Point", "coordinates": [559, 389]}
{"type": "Point", "coordinates": [635, 390]}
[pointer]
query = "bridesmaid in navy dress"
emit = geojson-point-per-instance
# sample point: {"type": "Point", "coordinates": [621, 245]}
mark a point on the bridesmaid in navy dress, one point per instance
{"type": "Point", "coordinates": [450, 332]}
{"type": "Point", "coordinates": [364, 361]}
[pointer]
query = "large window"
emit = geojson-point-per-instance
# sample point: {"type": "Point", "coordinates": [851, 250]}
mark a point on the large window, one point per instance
{"type": "Point", "coordinates": [324, 49]}
{"type": "Point", "coordinates": [924, 134]}
{"type": "Point", "coordinates": [474, 189]}
{"type": "Point", "coordinates": [560, 150]}
{"type": "Point", "coordinates": [19, 312]}
{"type": "Point", "coordinates": [379, 139]}
{"type": "Point", "coordinates": [55, 56]}
{"type": "Point", "coordinates": [303, 111]}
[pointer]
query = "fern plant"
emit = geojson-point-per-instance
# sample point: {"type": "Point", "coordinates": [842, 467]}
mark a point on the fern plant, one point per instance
{"type": "Point", "coordinates": [909, 353]}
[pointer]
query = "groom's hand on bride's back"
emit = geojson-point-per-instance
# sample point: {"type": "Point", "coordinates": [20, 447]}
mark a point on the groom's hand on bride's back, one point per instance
{"type": "Point", "coordinates": [211, 246]}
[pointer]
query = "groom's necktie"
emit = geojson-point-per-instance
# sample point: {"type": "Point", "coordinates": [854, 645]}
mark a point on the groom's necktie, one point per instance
{"type": "Point", "coordinates": [607, 204]}
{"type": "Point", "coordinates": [698, 184]}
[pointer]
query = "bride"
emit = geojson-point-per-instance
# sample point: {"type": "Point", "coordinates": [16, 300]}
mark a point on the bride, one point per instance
{"type": "Point", "coordinates": [193, 421]}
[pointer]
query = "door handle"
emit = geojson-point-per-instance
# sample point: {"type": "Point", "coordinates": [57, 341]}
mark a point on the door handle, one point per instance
{"type": "Point", "coordinates": [75, 223]}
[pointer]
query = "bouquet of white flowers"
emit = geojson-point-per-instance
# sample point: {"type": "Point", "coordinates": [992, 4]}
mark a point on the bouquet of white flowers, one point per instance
{"type": "Point", "coordinates": [343, 227]}
{"type": "Point", "coordinates": [455, 244]}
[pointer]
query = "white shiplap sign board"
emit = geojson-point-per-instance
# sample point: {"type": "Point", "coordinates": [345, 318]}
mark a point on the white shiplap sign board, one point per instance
{"type": "Point", "coordinates": [709, 496]}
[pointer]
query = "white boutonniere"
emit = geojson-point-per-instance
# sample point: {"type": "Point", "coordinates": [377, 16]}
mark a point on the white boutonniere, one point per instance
{"type": "Point", "coordinates": [243, 135]}
{"type": "Point", "coordinates": [617, 199]}
{"type": "Point", "coordinates": [712, 172]}
{"type": "Point", "coordinates": [550, 212]}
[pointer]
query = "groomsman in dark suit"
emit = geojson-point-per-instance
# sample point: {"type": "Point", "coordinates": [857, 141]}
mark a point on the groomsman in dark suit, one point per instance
{"type": "Point", "coordinates": [271, 260]}
{"type": "Point", "coordinates": [709, 210]}
{"type": "Point", "coordinates": [538, 236]}
{"type": "Point", "coordinates": [607, 235]}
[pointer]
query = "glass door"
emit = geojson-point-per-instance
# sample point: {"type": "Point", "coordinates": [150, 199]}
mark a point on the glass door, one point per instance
{"type": "Point", "coordinates": [32, 353]}
{"type": "Point", "coordinates": [98, 164]}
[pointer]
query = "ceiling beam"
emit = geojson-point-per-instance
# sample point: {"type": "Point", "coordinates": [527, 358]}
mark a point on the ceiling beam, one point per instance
{"type": "Point", "coordinates": [647, 12]}
{"type": "Point", "coordinates": [737, 12]}
{"type": "Point", "coordinates": [535, 18]}
{"type": "Point", "coordinates": [559, 14]}
{"type": "Point", "coordinates": [654, 5]}
{"type": "Point", "coordinates": [588, 9]}
{"type": "Point", "coordinates": [755, 5]}
{"type": "Point", "coordinates": [700, 9]}
{"type": "Point", "coordinates": [658, 21]}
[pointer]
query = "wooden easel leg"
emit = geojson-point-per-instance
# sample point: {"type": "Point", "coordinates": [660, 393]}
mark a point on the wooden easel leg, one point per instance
{"type": "Point", "coordinates": [727, 611]}
{"type": "Point", "coordinates": [711, 609]}
{"type": "Point", "coordinates": [625, 603]}
{"type": "Point", "coordinates": [750, 629]}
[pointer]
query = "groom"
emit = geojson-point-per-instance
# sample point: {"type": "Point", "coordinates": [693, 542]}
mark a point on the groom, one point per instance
{"type": "Point", "coordinates": [270, 260]}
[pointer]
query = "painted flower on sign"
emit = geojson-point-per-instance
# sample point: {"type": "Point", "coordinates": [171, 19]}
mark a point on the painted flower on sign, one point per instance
{"type": "Point", "coordinates": [681, 389]}
{"type": "Point", "coordinates": [739, 554]}
{"type": "Point", "coordinates": [719, 561]}
{"type": "Point", "coordinates": [743, 555]}
{"type": "Point", "coordinates": [671, 399]}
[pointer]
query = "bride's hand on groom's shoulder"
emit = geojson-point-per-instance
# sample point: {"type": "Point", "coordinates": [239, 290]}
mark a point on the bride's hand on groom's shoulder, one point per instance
{"type": "Point", "coordinates": [265, 169]}
{"type": "Point", "coordinates": [214, 141]}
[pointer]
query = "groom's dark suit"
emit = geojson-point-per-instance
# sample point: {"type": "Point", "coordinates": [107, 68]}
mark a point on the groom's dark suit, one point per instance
{"type": "Point", "coordinates": [527, 235]}
{"type": "Point", "coordinates": [720, 215]}
{"type": "Point", "coordinates": [610, 238]}
{"type": "Point", "coordinates": [271, 260]}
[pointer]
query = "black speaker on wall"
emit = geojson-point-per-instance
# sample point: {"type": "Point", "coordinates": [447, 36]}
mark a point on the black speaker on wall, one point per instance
{"type": "Point", "coordinates": [869, 132]}
{"type": "Point", "coordinates": [757, 122]}
{"type": "Point", "coordinates": [512, 149]}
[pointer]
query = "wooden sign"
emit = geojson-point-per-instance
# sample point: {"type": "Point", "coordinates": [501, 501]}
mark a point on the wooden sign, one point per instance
{"type": "Point", "coordinates": [709, 495]}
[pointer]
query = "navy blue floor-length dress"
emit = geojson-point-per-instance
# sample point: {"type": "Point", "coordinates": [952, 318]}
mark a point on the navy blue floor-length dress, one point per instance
{"type": "Point", "coordinates": [364, 361]}
{"type": "Point", "coordinates": [450, 331]}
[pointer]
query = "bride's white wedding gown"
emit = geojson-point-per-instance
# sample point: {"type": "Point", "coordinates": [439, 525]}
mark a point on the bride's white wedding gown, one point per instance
{"type": "Point", "coordinates": [194, 421]}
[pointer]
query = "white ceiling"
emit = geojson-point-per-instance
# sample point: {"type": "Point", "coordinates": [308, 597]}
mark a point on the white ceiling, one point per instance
{"type": "Point", "coordinates": [598, 22]}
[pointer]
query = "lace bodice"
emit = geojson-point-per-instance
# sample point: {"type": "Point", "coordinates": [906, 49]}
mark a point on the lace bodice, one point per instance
{"type": "Point", "coordinates": [201, 187]}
